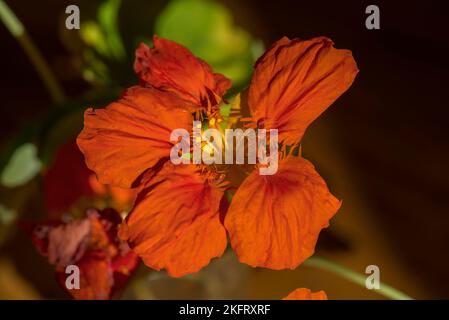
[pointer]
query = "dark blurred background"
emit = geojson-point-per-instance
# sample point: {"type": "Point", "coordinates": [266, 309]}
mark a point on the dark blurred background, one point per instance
{"type": "Point", "coordinates": [382, 147]}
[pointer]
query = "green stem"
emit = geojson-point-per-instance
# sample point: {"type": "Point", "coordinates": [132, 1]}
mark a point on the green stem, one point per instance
{"type": "Point", "coordinates": [355, 277]}
{"type": "Point", "coordinates": [17, 29]}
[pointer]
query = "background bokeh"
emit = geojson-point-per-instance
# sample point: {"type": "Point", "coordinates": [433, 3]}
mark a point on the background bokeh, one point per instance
{"type": "Point", "coordinates": [382, 147]}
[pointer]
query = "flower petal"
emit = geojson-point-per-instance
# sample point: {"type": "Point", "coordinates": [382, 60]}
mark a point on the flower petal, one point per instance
{"type": "Point", "coordinates": [274, 221]}
{"type": "Point", "coordinates": [67, 243]}
{"type": "Point", "coordinates": [295, 81]}
{"type": "Point", "coordinates": [175, 223]}
{"type": "Point", "coordinates": [120, 199]}
{"type": "Point", "coordinates": [123, 266]}
{"type": "Point", "coordinates": [171, 67]}
{"type": "Point", "coordinates": [306, 294]}
{"type": "Point", "coordinates": [130, 136]}
{"type": "Point", "coordinates": [96, 277]}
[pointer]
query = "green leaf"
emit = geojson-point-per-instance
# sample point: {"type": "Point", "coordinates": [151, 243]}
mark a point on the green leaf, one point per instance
{"type": "Point", "coordinates": [93, 36]}
{"type": "Point", "coordinates": [22, 166]}
{"type": "Point", "coordinates": [103, 35]}
{"type": "Point", "coordinates": [207, 29]}
{"type": "Point", "coordinates": [108, 20]}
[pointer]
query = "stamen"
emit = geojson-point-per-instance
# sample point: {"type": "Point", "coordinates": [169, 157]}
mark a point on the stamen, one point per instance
{"type": "Point", "coordinates": [215, 177]}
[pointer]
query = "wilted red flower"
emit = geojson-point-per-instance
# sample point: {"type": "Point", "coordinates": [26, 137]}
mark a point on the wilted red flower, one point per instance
{"type": "Point", "coordinates": [91, 244]}
{"type": "Point", "coordinates": [306, 294]}
{"type": "Point", "coordinates": [177, 220]}
{"type": "Point", "coordinates": [69, 183]}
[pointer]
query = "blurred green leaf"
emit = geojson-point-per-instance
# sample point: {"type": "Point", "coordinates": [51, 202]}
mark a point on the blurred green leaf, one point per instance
{"type": "Point", "coordinates": [105, 48]}
{"type": "Point", "coordinates": [95, 70]}
{"type": "Point", "coordinates": [7, 215]}
{"type": "Point", "coordinates": [207, 29]}
{"type": "Point", "coordinates": [93, 36]}
{"type": "Point", "coordinates": [103, 35]}
{"type": "Point", "coordinates": [63, 129]}
{"type": "Point", "coordinates": [108, 20]}
{"type": "Point", "coordinates": [22, 166]}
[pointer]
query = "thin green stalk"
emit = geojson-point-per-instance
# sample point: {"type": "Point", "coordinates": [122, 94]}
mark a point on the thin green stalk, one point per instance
{"type": "Point", "coordinates": [324, 264]}
{"type": "Point", "coordinates": [17, 29]}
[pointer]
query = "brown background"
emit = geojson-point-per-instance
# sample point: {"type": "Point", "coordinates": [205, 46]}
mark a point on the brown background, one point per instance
{"type": "Point", "coordinates": [382, 147]}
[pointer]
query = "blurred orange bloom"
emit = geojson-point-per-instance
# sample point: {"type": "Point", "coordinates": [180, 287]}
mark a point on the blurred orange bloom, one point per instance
{"type": "Point", "coordinates": [69, 183]}
{"type": "Point", "coordinates": [306, 294]}
{"type": "Point", "coordinates": [179, 220]}
{"type": "Point", "coordinates": [91, 244]}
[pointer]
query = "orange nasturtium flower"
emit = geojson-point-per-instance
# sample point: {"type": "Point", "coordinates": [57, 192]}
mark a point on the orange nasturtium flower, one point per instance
{"type": "Point", "coordinates": [105, 262]}
{"type": "Point", "coordinates": [306, 294]}
{"type": "Point", "coordinates": [180, 219]}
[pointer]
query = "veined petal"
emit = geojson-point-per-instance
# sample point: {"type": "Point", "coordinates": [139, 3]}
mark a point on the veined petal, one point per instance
{"type": "Point", "coordinates": [306, 294]}
{"type": "Point", "coordinates": [171, 67]}
{"type": "Point", "coordinates": [175, 224]}
{"type": "Point", "coordinates": [295, 81]}
{"type": "Point", "coordinates": [130, 136]}
{"type": "Point", "coordinates": [274, 221]}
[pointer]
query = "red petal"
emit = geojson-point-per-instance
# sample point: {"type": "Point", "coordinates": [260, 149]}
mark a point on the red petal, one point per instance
{"type": "Point", "coordinates": [64, 187]}
{"type": "Point", "coordinates": [123, 266]}
{"type": "Point", "coordinates": [96, 278]}
{"type": "Point", "coordinates": [91, 244]}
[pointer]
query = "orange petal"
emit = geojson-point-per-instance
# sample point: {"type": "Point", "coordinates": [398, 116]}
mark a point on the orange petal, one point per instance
{"type": "Point", "coordinates": [171, 67]}
{"type": "Point", "coordinates": [306, 294]}
{"type": "Point", "coordinates": [122, 199]}
{"type": "Point", "coordinates": [123, 140]}
{"type": "Point", "coordinates": [295, 81]}
{"type": "Point", "coordinates": [274, 221]}
{"type": "Point", "coordinates": [123, 266]}
{"type": "Point", "coordinates": [96, 277]}
{"type": "Point", "coordinates": [175, 223]}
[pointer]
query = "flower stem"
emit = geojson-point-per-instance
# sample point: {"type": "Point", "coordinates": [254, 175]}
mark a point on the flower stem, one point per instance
{"type": "Point", "coordinates": [17, 29]}
{"type": "Point", "coordinates": [355, 277]}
